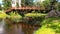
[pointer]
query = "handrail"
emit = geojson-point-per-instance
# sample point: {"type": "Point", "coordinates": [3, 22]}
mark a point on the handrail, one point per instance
{"type": "Point", "coordinates": [25, 8]}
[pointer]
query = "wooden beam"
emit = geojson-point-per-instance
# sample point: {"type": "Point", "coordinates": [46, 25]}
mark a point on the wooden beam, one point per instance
{"type": "Point", "coordinates": [25, 8]}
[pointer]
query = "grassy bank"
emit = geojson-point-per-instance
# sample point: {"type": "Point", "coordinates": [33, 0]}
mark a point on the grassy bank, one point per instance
{"type": "Point", "coordinates": [29, 18]}
{"type": "Point", "coordinates": [52, 23]}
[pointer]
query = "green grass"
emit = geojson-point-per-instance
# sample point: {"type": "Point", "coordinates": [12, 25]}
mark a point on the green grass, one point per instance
{"type": "Point", "coordinates": [44, 30]}
{"type": "Point", "coordinates": [50, 26]}
{"type": "Point", "coordinates": [34, 15]}
{"type": "Point", "coordinates": [53, 23]}
{"type": "Point", "coordinates": [3, 15]}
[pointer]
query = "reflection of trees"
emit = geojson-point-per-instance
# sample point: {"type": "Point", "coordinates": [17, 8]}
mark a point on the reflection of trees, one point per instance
{"type": "Point", "coordinates": [27, 29]}
{"type": "Point", "coordinates": [12, 28]}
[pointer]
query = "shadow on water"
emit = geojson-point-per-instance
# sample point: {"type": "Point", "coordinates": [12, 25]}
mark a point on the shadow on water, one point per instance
{"type": "Point", "coordinates": [6, 27]}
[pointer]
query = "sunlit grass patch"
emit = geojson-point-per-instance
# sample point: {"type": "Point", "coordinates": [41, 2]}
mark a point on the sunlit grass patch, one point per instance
{"type": "Point", "coordinates": [53, 23]}
{"type": "Point", "coordinates": [34, 14]}
{"type": "Point", "coordinates": [44, 30]}
{"type": "Point", "coordinates": [3, 14]}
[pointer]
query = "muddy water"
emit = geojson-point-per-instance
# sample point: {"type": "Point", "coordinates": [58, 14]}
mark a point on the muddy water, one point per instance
{"type": "Point", "coordinates": [16, 28]}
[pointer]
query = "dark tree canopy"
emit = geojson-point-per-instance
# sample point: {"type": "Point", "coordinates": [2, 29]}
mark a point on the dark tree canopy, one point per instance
{"type": "Point", "coordinates": [27, 2]}
{"type": "Point", "coordinates": [0, 7]}
{"type": "Point", "coordinates": [7, 4]}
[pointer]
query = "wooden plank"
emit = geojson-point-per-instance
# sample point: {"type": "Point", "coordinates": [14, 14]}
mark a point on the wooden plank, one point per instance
{"type": "Point", "coordinates": [25, 8]}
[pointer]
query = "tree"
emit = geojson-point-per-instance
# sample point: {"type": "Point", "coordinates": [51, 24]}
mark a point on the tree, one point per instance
{"type": "Point", "coordinates": [0, 7]}
{"type": "Point", "coordinates": [59, 6]}
{"type": "Point", "coordinates": [28, 2]}
{"type": "Point", "coordinates": [53, 4]}
{"type": "Point", "coordinates": [54, 9]}
{"type": "Point", "coordinates": [23, 2]}
{"type": "Point", "coordinates": [46, 4]}
{"type": "Point", "coordinates": [7, 4]}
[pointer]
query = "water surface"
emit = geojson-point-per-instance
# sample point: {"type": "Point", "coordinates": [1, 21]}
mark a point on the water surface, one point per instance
{"type": "Point", "coordinates": [16, 29]}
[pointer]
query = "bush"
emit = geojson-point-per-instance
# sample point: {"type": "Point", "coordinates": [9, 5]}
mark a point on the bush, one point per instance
{"type": "Point", "coordinates": [2, 15]}
{"type": "Point", "coordinates": [53, 23]}
{"type": "Point", "coordinates": [34, 18]}
{"type": "Point", "coordinates": [44, 30]}
{"type": "Point", "coordinates": [33, 15]}
{"type": "Point", "coordinates": [37, 16]}
{"type": "Point", "coordinates": [15, 17]}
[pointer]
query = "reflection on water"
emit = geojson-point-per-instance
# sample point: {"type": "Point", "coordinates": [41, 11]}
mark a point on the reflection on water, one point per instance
{"type": "Point", "coordinates": [2, 27]}
{"type": "Point", "coordinates": [16, 28]}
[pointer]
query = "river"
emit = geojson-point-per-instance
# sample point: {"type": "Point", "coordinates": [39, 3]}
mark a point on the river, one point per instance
{"type": "Point", "coordinates": [16, 29]}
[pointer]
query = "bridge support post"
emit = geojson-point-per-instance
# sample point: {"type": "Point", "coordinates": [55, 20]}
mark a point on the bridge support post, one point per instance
{"type": "Point", "coordinates": [13, 3]}
{"type": "Point", "coordinates": [19, 3]}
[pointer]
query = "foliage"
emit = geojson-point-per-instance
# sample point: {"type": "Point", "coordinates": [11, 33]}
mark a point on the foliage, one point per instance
{"type": "Point", "coordinates": [3, 14]}
{"type": "Point", "coordinates": [53, 23]}
{"type": "Point", "coordinates": [7, 4]}
{"type": "Point", "coordinates": [44, 4]}
{"type": "Point", "coordinates": [59, 6]}
{"type": "Point", "coordinates": [15, 17]}
{"type": "Point", "coordinates": [34, 18]}
{"type": "Point", "coordinates": [0, 7]}
{"type": "Point", "coordinates": [44, 30]}
{"type": "Point", "coordinates": [33, 15]}
{"type": "Point", "coordinates": [49, 20]}
{"type": "Point", "coordinates": [27, 2]}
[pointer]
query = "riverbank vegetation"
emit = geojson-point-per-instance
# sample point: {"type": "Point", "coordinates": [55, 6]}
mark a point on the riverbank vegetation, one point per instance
{"type": "Point", "coordinates": [44, 30]}
{"type": "Point", "coordinates": [15, 17]}
{"type": "Point", "coordinates": [50, 25]}
{"type": "Point", "coordinates": [3, 15]}
{"type": "Point", "coordinates": [28, 18]}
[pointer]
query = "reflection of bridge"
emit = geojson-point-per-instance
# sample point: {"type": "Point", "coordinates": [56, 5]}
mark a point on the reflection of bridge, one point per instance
{"type": "Point", "coordinates": [26, 8]}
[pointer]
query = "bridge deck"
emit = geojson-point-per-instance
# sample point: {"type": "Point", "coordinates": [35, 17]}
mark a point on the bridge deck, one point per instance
{"type": "Point", "coordinates": [25, 8]}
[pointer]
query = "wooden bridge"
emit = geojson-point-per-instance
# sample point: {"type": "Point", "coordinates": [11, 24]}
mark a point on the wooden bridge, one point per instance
{"type": "Point", "coordinates": [25, 8]}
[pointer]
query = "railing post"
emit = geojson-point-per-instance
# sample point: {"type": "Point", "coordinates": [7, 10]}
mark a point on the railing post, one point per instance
{"type": "Point", "coordinates": [13, 3]}
{"type": "Point", "coordinates": [19, 3]}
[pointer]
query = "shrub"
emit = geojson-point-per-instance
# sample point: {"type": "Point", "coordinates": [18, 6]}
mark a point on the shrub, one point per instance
{"type": "Point", "coordinates": [15, 17]}
{"type": "Point", "coordinates": [2, 15]}
{"type": "Point", "coordinates": [44, 30]}
{"type": "Point", "coordinates": [35, 18]}
{"type": "Point", "coordinates": [34, 15]}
